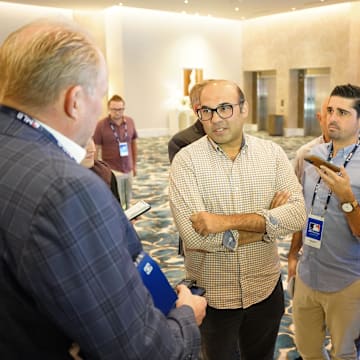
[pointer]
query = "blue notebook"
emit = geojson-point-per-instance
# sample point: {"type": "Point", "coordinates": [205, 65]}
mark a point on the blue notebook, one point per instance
{"type": "Point", "coordinates": [164, 296]}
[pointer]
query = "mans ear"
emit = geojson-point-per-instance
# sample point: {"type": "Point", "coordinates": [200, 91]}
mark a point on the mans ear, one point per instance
{"type": "Point", "coordinates": [244, 108]}
{"type": "Point", "coordinates": [72, 101]}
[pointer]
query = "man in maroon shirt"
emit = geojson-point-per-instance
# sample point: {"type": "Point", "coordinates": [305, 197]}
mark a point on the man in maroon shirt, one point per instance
{"type": "Point", "coordinates": [115, 138]}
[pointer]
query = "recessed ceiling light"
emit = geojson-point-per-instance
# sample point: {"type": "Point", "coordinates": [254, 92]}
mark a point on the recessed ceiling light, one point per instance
{"type": "Point", "coordinates": [237, 9]}
{"type": "Point", "coordinates": [186, 1]}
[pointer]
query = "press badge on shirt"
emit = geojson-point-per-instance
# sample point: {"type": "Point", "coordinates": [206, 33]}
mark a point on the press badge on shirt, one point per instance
{"type": "Point", "coordinates": [123, 149]}
{"type": "Point", "coordinates": [314, 231]}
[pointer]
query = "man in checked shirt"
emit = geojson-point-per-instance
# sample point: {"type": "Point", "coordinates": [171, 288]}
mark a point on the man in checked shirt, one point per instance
{"type": "Point", "coordinates": [222, 193]}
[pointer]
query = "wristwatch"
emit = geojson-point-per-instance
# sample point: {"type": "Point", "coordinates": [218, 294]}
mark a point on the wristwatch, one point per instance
{"type": "Point", "coordinates": [348, 207]}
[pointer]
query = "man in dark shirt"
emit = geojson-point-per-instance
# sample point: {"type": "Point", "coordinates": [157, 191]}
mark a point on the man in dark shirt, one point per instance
{"type": "Point", "coordinates": [194, 131]}
{"type": "Point", "coordinates": [185, 137]}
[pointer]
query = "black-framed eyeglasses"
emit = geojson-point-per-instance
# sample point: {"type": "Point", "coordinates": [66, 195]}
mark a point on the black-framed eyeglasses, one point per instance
{"type": "Point", "coordinates": [117, 109]}
{"type": "Point", "coordinates": [224, 111]}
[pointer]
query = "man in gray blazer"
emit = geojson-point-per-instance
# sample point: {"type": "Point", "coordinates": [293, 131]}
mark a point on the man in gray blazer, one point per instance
{"type": "Point", "coordinates": [66, 248]}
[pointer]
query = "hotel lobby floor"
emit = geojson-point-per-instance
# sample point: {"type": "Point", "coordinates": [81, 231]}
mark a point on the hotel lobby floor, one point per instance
{"type": "Point", "coordinates": [158, 233]}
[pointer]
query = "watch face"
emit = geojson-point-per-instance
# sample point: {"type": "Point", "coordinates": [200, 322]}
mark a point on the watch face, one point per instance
{"type": "Point", "coordinates": [347, 207]}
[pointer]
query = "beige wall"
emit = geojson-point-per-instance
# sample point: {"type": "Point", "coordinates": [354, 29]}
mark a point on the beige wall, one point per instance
{"type": "Point", "coordinates": [95, 23]}
{"type": "Point", "coordinates": [156, 47]}
{"type": "Point", "coordinates": [326, 37]}
{"type": "Point", "coordinates": [12, 16]}
{"type": "Point", "coordinates": [147, 50]}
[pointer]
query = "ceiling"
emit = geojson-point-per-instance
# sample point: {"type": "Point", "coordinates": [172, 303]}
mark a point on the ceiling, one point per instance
{"type": "Point", "coordinates": [230, 9]}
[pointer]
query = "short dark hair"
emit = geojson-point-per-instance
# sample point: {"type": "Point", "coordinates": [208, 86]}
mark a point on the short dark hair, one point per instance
{"type": "Point", "coordinates": [116, 98]}
{"type": "Point", "coordinates": [349, 92]}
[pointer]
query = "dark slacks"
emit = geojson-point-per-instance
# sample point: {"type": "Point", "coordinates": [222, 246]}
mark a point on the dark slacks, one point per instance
{"type": "Point", "coordinates": [249, 334]}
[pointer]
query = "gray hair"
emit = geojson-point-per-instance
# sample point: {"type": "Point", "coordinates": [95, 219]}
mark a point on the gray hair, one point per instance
{"type": "Point", "coordinates": [43, 58]}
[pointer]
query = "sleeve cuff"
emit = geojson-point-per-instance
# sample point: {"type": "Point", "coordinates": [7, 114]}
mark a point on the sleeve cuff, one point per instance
{"type": "Point", "coordinates": [271, 224]}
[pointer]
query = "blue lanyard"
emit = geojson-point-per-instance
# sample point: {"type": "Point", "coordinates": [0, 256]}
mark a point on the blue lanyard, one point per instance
{"type": "Point", "coordinates": [115, 132]}
{"type": "Point", "coordinates": [330, 156]}
{"type": "Point", "coordinates": [29, 121]}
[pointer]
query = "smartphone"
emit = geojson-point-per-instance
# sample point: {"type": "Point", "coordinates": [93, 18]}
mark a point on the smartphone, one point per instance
{"type": "Point", "coordinates": [318, 161]}
{"type": "Point", "coordinates": [138, 209]}
{"type": "Point", "coordinates": [191, 284]}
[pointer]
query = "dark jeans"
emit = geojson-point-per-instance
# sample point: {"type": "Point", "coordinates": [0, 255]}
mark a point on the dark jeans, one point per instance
{"type": "Point", "coordinates": [249, 334]}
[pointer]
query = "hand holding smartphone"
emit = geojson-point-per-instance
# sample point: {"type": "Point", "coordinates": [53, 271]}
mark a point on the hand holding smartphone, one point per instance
{"type": "Point", "coordinates": [136, 210]}
{"type": "Point", "coordinates": [191, 284]}
{"type": "Point", "coordinates": [318, 161]}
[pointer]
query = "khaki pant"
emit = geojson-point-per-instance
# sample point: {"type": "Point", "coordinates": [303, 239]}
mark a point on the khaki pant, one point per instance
{"type": "Point", "coordinates": [316, 311]}
{"type": "Point", "coordinates": [124, 183]}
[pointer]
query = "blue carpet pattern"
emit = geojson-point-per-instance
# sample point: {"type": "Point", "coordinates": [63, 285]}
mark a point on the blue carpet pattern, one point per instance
{"type": "Point", "coordinates": [158, 233]}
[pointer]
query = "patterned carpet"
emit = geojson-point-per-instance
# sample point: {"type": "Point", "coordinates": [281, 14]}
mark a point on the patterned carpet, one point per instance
{"type": "Point", "coordinates": [158, 233]}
